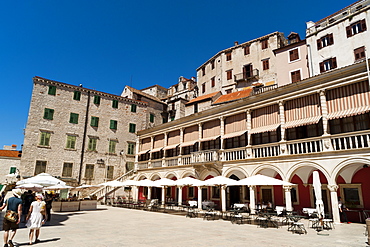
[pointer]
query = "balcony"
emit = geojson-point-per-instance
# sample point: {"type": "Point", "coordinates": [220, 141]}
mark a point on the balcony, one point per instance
{"type": "Point", "coordinates": [247, 76]}
{"type": "Point", "coordinates": [321, 144]}
{"type": "Point", "coordinates": [258, 90]}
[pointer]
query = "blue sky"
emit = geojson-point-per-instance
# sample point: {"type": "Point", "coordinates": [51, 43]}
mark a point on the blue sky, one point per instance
{"type": "Point", "coordinates": [108, 44]}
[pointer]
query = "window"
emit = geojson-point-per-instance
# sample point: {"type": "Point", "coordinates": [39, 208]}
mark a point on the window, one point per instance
{"type": "Point", "coordinates": [89, 171]}
{"type": "Point", "coordinates": [195, 108]}
{"type": "Point", "coordinates": [265, 64]}
{"type": "Point", "coordinates": [130, 166]}
{"type": "Point", "coordinates": [295, 76]}
{"type": "Point", "coordinates": [113, 124]}
{"type": "Point", "coordinates": [131, 148]}
{"type": "Point", "coordinates": [52, 90]}
{"type": "Point", "coordinates": [12, 170]}
{"type": "Point", "coordinates": [45, 139]}
{"type": "Point", "coordinates": [215, 192]}
{"type": "Point", "coordinates": [132, 128]}
{"type": "Point", "coordinates": [203, 87]}
{"type": "Point", "coordinates": [67, 170]}
{"type": "Point", "coordinates": [228, 56]}
{"type": "Point", "coordinates": [48, 113]}
{"type": "Point", "coordinates": [151, 118]}
{"type": "Point", "coordinates": [293, 55]}
{"type": "Point", "coordinates": [92, 144]}
{"type": "Point", "coordinates": [190, 192]}
{"type": "Point", "coordinates": [76, 95]}
{"type": "Point", "coordinates": [73, 118]}
{"type": "Point", "coordinates": [96, 99]}
{"type": "Point", "coordinates": [40, 167]}
{"type": "Point", "coordinates": [110, 170]}
{"type": "Point", "coordinates": [328, 64]}
{"type": "Point", "coordinates": [112, 146]}
{"type": "Point", "coordinates": [325, 41]}
{"type": "Point", "coordinates": [352, 195]}
{"type": "Point", "coordinates": [229, 74]}
{"type": "Point", "coordinates": [247, 50]}
{"type": "Point", "coordinates": [184, 85]}
{"type": "Point", "coordinates": [203, 71]}
{"type": "Point", "coordinates": [133, 108]}
{"type": "Point", "coordinates": [213, 64]}
{"type": "Point", "coordinates": [355, 28]}
{"type": "Point", "coordinates": [176, 88]}
{"type": "Point", "coordinates": [359, 53]}
{"type": "Point", "coordinates": [71, 142]}
{"type": "Point", "coordinates": [212, 82]}
{"type": "Point", "coordinates": [229, 91]}
{"type": "Point", "coordinates": [264, 44]}
{"type": "Point", "coordinates": [94, 122]}
{"type": "Point", "coordinates": [115, 103]}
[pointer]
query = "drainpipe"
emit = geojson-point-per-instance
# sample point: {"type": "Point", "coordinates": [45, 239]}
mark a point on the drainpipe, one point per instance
{"type": "Point", "coordinates": [310, 59]}
{"type": "Point", "coordinates": [84, 137]}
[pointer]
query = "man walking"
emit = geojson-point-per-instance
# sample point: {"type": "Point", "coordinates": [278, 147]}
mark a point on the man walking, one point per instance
{"type": "Point", "coordinates": [13, 204]}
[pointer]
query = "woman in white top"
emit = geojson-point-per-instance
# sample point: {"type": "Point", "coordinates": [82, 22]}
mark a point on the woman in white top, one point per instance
{"type": "Point", "coordinates": [36, 217]}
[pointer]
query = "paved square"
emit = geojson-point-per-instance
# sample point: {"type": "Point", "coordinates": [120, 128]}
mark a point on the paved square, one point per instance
{"type": "Point", "coordinates": [110, 226]}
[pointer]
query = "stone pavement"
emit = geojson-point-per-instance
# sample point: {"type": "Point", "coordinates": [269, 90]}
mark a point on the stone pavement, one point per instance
{"type": "Point", "coordinates": [110, 226]}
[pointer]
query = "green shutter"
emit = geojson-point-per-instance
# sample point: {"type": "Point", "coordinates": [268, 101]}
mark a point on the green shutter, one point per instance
{"type": "Point", "coordinates": [132, 128]}
{"type": "Point", "coordinates": [94, 121]}
{"type": "Point", "coordinates": [73, 118]}
{"type": "Point", "coordinates": [151, 118]}
{"type": "Point", "coordinates": [131, 148]}
{"type": "Point", "coordinates": [71, 142]}
{"type": "Point", "coordinates": [52, 90]}
{"type": "Point", "coordinates": [97, 99]}
{"type": "Point", "coordinates": [113, 124]}
{"type": "Point", "coordinates": [115, 103]}
{"type": "Point", "coordinates": [44, 139]}
{"type": "Point", "coordinates": [112, 147]}
{"type": "Point", "coordinates": [48, 113]}
{"type": "Point", "coordinates": [133, 108]}
{"type": "Point", "coordinates": [12, 170]}
{"type": "Point", "coordinates": [92, 144]}
{"type": "Point", "coordinates": [77, 95]}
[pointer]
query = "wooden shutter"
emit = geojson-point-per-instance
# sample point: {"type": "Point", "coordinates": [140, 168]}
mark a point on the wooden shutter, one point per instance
{"type": "Point", "coordinates": [322, 68]}
{"type": "Point", "coordinates": [334, 62]}
{"type": "Point", "coordinates": [331, 39]}
{"type": "Point", "coordinates": [319, 46]}
{"type": "Point", "coordinates": [363, 25]}
{"type": "Point", "coordinates": [349, 31]}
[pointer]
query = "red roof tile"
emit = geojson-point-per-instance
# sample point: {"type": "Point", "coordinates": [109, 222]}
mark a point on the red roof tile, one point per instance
{"type": "Point", "coordinates": [233, 96]}
{"type": "Point", "coordinates": [10, 153]}
{"type": "Point", "coordinates": [203, 97]}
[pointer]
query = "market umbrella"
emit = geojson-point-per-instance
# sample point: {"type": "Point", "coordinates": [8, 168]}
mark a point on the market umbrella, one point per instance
{"type": "Point", "coordinates": [58, 187]}
{"type": "Point", "coordinates": [318, 195]}
{"type": "Point", "coordinates": [147, 183]}
{"type": "Point", "coordinates": [43, 179]}
{"type": "Point", "coordinates": [113, 183]}
{"type": "Point", "coordinates": [29, 186]}
{"type": "Point", "coordinates": [130, 183]}
{"type": "Point", "coordinates": [261, 180]}
{"type": "Point", "coordinates": [86, 186]}
{"type": "Point", "coordinates": [165, 182]}
{"type": "Point", "coordinates": [188, 181]}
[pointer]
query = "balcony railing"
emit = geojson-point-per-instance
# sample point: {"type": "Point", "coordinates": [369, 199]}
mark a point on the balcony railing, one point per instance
{"type": "Point", "coordinates": [320, 144]}
{"type": "Point", "coordinates": [313, 145]}
{"type": "Point", "coordinates": [258, 90]}
{"type": "Point", "coordinates": [247, 76]}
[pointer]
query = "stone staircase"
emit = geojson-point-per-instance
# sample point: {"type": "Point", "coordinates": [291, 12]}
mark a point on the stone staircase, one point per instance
{"type": "Point", "coordinates": [103, 192]}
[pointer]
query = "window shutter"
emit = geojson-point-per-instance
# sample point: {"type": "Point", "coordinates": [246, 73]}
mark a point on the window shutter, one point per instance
{"type": "Point", "coordinates": [349, 31]}
{"type": "Point", "coordinates": [334, 62]}
{"type": "Point", "coordinates": [322, 68]}
{"type": "Point", "coordinates": [363, 25]}
{"type": "Point", "coordinates": [319, 46]}
{"type": "Point", "coordinates": [331, 39]}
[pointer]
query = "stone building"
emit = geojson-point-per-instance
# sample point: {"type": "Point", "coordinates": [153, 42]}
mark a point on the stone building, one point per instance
{"type": "Point", "coordinates": [10, 160]}
{"type": "Point", "coordinates": [81, 135]}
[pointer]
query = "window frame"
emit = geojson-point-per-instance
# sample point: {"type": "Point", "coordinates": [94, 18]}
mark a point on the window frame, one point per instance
{"type": "Point", "coordinates": [325, 41]}
{"type": "Point", "coordinates": [151, 117]}
{"type": "Point", "coordinates": [294, 55]}
{"type": "Point", "coordinates": [89, 171]}
{"type": "Point", "coordinates": [97, 99]}
{"type": "Point", "coordinates": [131, 148]}
{"type": "Point", "coordinates": [112, 146]}
{"type": "Point", "coordinates": [113, 124]}
{"type": "Point", "coordinates": [294, 75]}
{"type": "Point", "coordinates": [266, 64]}
{"type": "Point", "coordinates": [92, 144]}
{"type": "Point", "coordinates": [94, 121]}
{"type": "Point", "coordinates": [264, 44]}
{"type": "Point", "coordinates": [40, 166]}
{"type": "Point", "coordinates": [71, 142]}
{"type": "Point", "coordinates": [213, 82]}
{"type": "Point", "coordinates": [67, 171]}
{"type": "Point", "coordinates": [352, 186]}
{"type": "Point", "coordinates": [52, 90]}
{"type": "Point", "coordinates": [109, 172]}
{"type": "Point", "coordinates": [228, 56]}
{"type": "Point", "coordinates": [77, 95]}
{"type": "Point", "coordinates": [361, 24]}
{"type": "Point", "coordinates": [133, 107]}
{"type": "Point", "coordinates": [115, 104]}
{"type": "Point", "coordinates": [132, 128]}
{"type": "Point", "coordinates": [247, 50]}
{"type": "Point", "coordinates": [44, 140]}
{"type": "Point", "coordinates": [73, 118]}
{"type": "Point", "coordinates": [48, 114]}
{"type": "Point", "coordinates": [332, 62]}
{"type": "Point", "coordinates": [229, 74]}
{"type": "Point", "coordinates": [360, 51]}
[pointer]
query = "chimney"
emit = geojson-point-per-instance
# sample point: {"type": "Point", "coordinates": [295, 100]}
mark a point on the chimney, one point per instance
{"type": "Point", "coordinates": [236, 43]}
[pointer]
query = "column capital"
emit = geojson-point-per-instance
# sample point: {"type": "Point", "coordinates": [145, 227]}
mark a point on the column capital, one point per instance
{"type": "Point", "coordinates": [321, 92]}
{"type": "Point", "coordinates": [333, 187]}
{"type": "Point", "coordinates": [252, 187]}
{"type": "Point", "coordinates": [221, 118]}
{"type": "Point", "coordinates": [281, 102]}
{"type": "Point", "coordinates": [287, 188]}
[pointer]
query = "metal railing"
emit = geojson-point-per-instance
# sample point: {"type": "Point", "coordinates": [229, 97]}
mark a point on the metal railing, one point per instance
{"type": "Point", "coordinates": [246, 76]}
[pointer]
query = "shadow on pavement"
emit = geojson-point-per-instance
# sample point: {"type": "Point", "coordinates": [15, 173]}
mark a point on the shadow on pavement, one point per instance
{"type": "Point", "coordinates": [41, 241]}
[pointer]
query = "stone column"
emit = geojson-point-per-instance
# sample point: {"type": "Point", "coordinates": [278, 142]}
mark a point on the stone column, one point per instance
{"type": "Point", "coordinates": [151, 147]}
{"type": "Point", "coordinates": [288, 198]}
{"type": "Point", "coordinates": [324, 110]}
{"type": "Point", "coordinates": [282, 119]}
{"type": "Point", "coordinates": [222, 132]}
{"type": "Point", "coordinates": [199, 197]}
{"type": "Point", "coordinates": [163, 195]}
{"type": "Point", "coordinates": [179, 199]}
{"type": "Point", "coordinates": [200, 133]}
{"type": "Point", "coordinates": [252, 199]}
{"type": "Point", "coordinates": [223, 198]}
{"type": "Point", "coordinates": [149, 193]}
{"type": "Point", "coordinates": [181, 139]}
{"type": "Point", "coordinates": [334, 202]}
{"type": "Point", "coordinates": [249, 135]}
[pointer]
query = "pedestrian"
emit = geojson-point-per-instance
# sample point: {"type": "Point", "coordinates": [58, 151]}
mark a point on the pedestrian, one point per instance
{"type": "Point", "coordinates": [27, 198]}
{"type": "Point", "coordinates": [48, 201]}
{"type": "Point", "coordinates": [36, 218]}
{"type": "Point", "coordinates": [13, 206]}
{"type": "Point", "coordinates": [342, 210]}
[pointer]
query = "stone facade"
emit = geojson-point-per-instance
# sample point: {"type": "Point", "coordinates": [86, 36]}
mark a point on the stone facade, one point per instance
{"type": "Point", "coordinates": [106, 147]}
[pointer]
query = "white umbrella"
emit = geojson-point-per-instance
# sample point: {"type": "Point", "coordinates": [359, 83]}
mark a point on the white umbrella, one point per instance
{"type": "Point", "coordinates": [261, 180]}
{"type": "Point", "coordinates": [188, 181]}
{"type": "Point", "coordinates": [29, 186]}
{"type": "Point", "coordinates": [317, 190]}
{"type": "Point", "coordinates": [43, 179]}
{"type": "Point", "coordinates": [58, 187]}
{"type": "Point", "coordinates": [147, 183]}
{"type": "Point", "coordinates": [86, 186]}
{"type": "Point", "coordinates": [165, 182]}
{"type": "Point", "coordinates": [219, 180]}
{"type": "Point", "coordinates": [113, 183]}
{"type": "Point", "coordinates": [130, 183]}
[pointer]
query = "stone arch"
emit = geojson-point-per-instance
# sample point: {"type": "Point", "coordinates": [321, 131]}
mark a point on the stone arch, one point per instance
{"type": "Point", "coordinates": [170, 175]}
{"type": "Point", "coordinates": [155, 176]}
{"type": "Point", "coordinates": [304, 170]}
{"type": "Point", "coordinates": [348, 168]}
{"type": "Point", "coordinates": [268, 170]}
{"type": "Point", "coordinates": [207, 172]}
{"type": "Point", "coordinates": [142, 177]}
{"type": "Point", "coordinates": [185, 174]}
{"type": "Point", "coordinates": [238, 171]}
